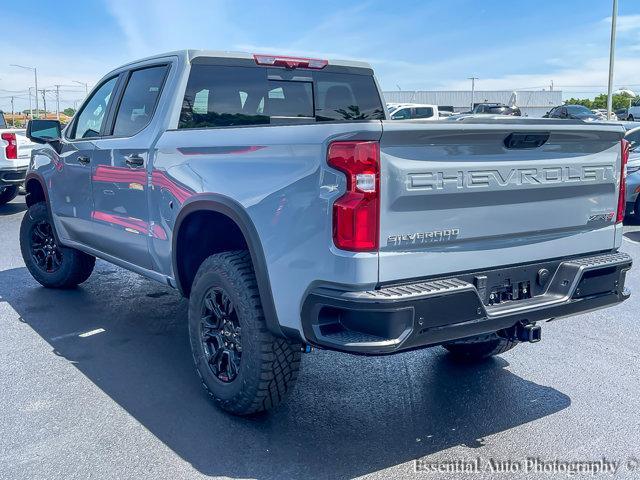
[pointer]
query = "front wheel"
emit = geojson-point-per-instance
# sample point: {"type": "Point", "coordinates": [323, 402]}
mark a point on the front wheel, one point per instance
{"type": "Point", "coordinates": [242, 365]}
{"type": "Point", "coordinates": [480, 348]}
{"type": "Point", "coordinates": [51, 264]}
{"type": "Point", "coordinates": [7, 194]}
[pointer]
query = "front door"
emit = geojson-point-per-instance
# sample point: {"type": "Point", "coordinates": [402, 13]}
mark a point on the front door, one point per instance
{"type": "Point", "coordinates": [70, 190]}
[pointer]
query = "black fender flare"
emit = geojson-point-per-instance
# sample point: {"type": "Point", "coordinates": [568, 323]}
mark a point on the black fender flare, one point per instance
{"type": "Point", "coordinates": [38, 178]}
{"type": "Point", "coordinates": [235, 211]}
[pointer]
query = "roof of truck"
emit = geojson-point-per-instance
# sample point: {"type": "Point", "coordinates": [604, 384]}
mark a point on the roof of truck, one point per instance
{"type": "Point", "coordinates": [189, 55]}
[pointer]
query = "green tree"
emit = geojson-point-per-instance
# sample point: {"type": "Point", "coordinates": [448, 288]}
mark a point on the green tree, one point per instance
{"type": "Point", "coordinates": [579, 101]}
{"type": "Point", "coordinates": [69, 112]}
{"type": "Point", "coordinates": [619, 101]}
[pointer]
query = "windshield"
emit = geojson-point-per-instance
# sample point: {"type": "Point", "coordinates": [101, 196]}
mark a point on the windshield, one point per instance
{"type": "Point", "coordinates": [578, 110]}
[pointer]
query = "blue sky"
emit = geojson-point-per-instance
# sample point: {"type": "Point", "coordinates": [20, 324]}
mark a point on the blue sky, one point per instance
{"type": "Point", "coordinates": [508, 44]}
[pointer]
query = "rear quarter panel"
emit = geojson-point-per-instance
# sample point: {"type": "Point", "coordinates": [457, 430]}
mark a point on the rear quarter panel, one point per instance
{"type": "Point", "coordinates": [280, 177]}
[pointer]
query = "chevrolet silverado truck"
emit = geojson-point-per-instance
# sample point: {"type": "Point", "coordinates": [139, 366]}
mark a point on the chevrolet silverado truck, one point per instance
{"type": "Point", "coordinates": [15, 152]}
{"type": "Point", "coordinates": [277, 195]}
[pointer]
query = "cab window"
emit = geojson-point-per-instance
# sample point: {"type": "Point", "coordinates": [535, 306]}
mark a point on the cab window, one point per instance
{"type": "Point", "coordinates": [402, 114]}
{"type": "Point", "coordinates": [139, 100]}
{"type": "Point", "coordinates": [91, 118]}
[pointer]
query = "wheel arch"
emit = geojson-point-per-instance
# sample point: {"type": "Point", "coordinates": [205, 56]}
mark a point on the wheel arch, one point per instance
{"type": "Point", "coordinates": [236, 213]}
{"type": "Point", "coordinates": [36, 191]}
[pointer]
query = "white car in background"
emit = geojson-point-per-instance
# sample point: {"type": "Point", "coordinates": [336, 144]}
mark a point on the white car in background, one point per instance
{"type": "Point", "coordinates": [410, 111]}
{"type": "Point", "coordinates": [633, 115]}
{"type": "Point", "coordinates": [15, 153]}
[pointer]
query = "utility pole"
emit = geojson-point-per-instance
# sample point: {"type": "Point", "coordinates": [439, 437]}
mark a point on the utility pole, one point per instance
{"type": "Point", "coordinates": [30, 109]}
{"type": "Point", "coordinates": [86, 87]}
{"type": "Point", "coordinates": [551, 86]}
{"type": "Point", "coordinates": [612, 48]}
{"type": "Point", "coordinates": [58, 102]}
{"type": "Point", "coordinates": [13, 118]}
{"type": "Point", "coordinates": [44, 101]}
{"type": "Point", "coordinates": [473, 90]}
{"type": "Point", "coordinates": [35, 75]}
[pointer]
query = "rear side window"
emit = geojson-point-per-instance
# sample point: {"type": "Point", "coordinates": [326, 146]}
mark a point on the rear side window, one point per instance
{"type": "Point", "coordinates": [224, 96]}
{"type": "Point", "coordinates": [3, 124]}
{"type": "Point", "coordinates": [424, 112]}
{"type": "Point", "coordinates": [139, 100]}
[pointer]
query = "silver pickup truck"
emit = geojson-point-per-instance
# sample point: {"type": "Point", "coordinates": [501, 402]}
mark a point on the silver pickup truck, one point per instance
{"type": "Point", "coordinates": [278, 196]}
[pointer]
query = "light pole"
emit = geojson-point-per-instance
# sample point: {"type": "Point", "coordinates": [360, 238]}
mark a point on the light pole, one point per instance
{"type": "Point", "coordinates": [86, 87]}
{"type": "Point", "coordinates": [473, 90]}
{"type": "Point", "coordinates": [35, 75]}
{"type": "Point", "coordinates": [612, 48]}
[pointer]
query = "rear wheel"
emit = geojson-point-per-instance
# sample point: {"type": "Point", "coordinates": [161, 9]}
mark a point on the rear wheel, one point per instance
{"type": "Point", "coordinates": [51, 264]}
{"type": "Point", "coordinates": [7, 194]}
{"type": "Point", "coordinates": [242, 365]}
{"type": "Point", "coordinates": [631, 119]}
{"type": "Point", "coordinates": [480, 348]}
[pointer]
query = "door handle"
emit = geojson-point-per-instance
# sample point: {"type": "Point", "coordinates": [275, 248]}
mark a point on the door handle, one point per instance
{"type": "Point", "coordinates": [84, 160]}
{"type": "Point", "coordinates": [134, 160]}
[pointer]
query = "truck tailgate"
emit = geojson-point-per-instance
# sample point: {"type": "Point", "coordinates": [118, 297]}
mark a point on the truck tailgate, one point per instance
{"type": "Point", "coordinates": [459, 196]}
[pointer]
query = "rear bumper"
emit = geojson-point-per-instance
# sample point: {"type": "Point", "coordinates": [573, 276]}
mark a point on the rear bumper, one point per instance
{"type": "Point", "coordinates": [12, 176]}
{"type": "Point", "coordinates": [437, 311]}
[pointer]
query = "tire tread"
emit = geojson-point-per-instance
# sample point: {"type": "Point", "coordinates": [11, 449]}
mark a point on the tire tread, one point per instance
{"type": "Point", "coordinates": [278, 360]}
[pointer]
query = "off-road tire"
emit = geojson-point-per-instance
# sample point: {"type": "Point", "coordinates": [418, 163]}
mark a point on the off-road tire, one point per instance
{"type": "Point", "coordinates": [268, 365]}
{"type": "Point", "coordinates": [75, 266]}
{"type": "Point", "coordinates": [479, 348]}
{"type": "Point", "coordinates": [7, 194]}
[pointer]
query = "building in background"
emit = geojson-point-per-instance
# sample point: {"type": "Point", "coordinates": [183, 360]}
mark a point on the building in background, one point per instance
{"type": "Point", "coordinates": [531, 103]}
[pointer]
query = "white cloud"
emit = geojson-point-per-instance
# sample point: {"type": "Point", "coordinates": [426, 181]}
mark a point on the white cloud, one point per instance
{"type": "Point", "coordinates": [155, 26]}
{"type": "Point", "coordinates": [625, 23]}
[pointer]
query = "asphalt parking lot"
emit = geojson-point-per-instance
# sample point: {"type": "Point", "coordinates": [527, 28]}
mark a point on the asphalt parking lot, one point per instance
{"type": "Point", "coordinates": [124, 400]}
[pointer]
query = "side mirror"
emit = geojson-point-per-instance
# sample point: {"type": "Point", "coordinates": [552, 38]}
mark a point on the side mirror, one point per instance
{"type": "Point", "coordinates": [44, 131]}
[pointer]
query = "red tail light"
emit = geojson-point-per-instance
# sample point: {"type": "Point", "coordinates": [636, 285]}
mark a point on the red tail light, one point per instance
{"type": "Point", "coordinates": [623, 181]}
{"type": "Point", "coordinates": [290, 62]}
{"type": "Point", "coordinates": [11, 150]}
{"type": "Point", "coordinates": [356, 214]}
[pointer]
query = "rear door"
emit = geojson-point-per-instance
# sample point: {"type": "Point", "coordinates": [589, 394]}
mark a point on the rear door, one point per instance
{"type": "Point", "coordinates": [120, 178]}
{"type": "Point", "coordinates": [455, 197]}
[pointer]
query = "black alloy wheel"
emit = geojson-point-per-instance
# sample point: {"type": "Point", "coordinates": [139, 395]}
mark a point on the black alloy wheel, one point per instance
{"type": "Point", "coordinates": [44, 249]}
{"type": "Point", "coordinates": [220, 335]}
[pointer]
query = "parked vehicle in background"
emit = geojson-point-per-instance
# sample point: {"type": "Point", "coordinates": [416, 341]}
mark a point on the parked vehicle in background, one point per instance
{"type": "Point", "coordinates": [622, 114]}
{"type": "Point", "coordinates": [601, 113]}
{"type": "Point", "coordinates": [633, 174]}
{"type": "Point", "coordinates": [277, 195]}
{"type": "Point", "coordinates": [496, 109]}
{"type": "Point", "coordinates": [15, 152]}
{"type": "Point", "coordinates": [634, 111]}
{"type": "Point", "coordinates": [415, 111]}
{"type": "Point", "coordinates": [576, 112]}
